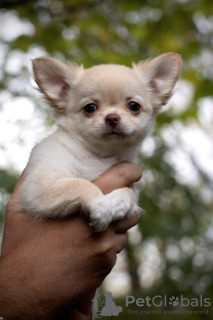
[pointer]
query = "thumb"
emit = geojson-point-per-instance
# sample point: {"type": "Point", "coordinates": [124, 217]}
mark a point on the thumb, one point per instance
{"type": "Point", "coordinates": [119, 176]}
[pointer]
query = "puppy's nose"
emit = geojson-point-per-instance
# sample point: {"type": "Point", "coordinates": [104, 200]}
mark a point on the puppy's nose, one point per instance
{"type": "Point", "coordinates": [112, 119]}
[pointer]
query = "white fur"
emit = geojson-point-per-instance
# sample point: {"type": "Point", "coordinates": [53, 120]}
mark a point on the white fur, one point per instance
{"type": "Point", "coordinates": [61, 167]}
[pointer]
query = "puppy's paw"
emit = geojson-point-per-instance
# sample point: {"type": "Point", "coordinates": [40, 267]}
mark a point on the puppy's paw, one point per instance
{"type": "Point", "coordinates": [122, 201]}
{"type": "Point", "coordinates": [100, 212]}
{"type": "Point", "coordinates": [113, 206]}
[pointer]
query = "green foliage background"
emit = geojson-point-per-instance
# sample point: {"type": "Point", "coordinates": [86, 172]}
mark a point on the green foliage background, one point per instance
{"type": "Point", "coordinates": [93, 32]}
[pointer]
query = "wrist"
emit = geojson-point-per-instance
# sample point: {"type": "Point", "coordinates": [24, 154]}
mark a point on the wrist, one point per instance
{"type": "Point", "coordinates": [18, 298]}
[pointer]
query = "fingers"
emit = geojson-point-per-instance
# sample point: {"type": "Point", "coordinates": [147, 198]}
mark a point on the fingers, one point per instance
{"type": "Point", "coordinates": [121, 226]}
{"type": "Point", "coordinates": [120, 243]}
{"type": "Point", "coordinates": [119, 176]}
{"type": "Point", "coordinates": [114, 238]}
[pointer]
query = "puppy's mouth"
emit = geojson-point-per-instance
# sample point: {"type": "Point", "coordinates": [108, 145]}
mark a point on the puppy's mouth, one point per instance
{"type": "Point", "coordinates": [113, 133]}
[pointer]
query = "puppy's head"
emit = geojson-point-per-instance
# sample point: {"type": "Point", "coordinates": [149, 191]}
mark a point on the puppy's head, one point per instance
{"type": "Point", "coordinates": [108, 104]}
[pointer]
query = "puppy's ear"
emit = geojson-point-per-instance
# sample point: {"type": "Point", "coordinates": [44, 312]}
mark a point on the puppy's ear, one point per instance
{"type": "Point", "coordinates": [160, 76]}
{"type": "Point", "coordinates": [55, 79]}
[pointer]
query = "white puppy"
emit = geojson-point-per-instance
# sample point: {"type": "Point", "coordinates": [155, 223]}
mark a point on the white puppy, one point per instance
{"type": "Point", "coordinates": [103, 114]}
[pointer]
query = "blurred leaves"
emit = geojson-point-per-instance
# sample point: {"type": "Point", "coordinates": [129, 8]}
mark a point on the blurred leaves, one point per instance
{"type": "Point", "coordinates": [7, 184]}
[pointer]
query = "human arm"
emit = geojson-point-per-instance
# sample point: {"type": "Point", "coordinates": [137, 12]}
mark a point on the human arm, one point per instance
{"type": "Point", "coordinates": [46, 266]}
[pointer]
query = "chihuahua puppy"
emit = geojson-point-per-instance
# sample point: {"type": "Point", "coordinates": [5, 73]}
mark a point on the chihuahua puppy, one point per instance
{"type": "Point", "coordinates": [103, 114]}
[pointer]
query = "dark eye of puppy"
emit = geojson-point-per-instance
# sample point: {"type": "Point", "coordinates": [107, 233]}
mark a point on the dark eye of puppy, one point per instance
{"type": "Point", "coordinates": [134, 106]}
{"type": "Point", "coordinates": [90, 108]}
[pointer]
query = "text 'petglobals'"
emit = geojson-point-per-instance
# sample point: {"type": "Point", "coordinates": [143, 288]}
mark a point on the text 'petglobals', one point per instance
{"type": "Point", "coordinates": [164, 301]}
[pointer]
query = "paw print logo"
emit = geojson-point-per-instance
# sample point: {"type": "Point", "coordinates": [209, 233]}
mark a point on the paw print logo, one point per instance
{"type": "Point", "coordinates": [173, 301]}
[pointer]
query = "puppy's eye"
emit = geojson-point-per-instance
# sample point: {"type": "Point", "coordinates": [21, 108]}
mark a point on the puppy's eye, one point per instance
{"type": "Point", "coordinates": [134, 106]}
{"type": "Point", "coordinates": [90, 108]}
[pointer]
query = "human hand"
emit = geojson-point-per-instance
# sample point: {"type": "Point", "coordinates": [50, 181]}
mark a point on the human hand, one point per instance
{"type": "Point", "coordinates": [48, 265]}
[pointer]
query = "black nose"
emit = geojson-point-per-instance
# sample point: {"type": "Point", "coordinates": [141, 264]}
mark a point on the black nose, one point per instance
{"type": "Point", "coordinates": [112, 119]}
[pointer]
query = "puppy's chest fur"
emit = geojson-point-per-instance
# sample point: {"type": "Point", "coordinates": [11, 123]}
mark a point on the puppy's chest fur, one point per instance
{"type": "Point", "coordinates": [90, 166]}
{"type": "Point", "coordinates": [67, 156]}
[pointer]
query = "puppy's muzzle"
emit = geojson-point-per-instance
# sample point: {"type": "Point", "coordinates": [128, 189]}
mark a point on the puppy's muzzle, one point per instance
{"type": "Point", "coordinates": [112, 120]}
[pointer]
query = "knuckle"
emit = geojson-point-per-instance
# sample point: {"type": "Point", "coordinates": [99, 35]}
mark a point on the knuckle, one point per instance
{"type": "Point", "coordinates": [136, 217]}
{"type": "Point", "coordinates": [124, 240]}
{"type": "Point", "coordinates": [111, 258]}
{"type": "Point", "coordinates": [130, 171]}
{"type": "Point", "coordinates": [105, 248]}
{"type": "Point", "coordinates": [108, 256]}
